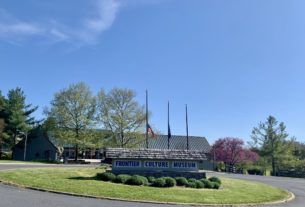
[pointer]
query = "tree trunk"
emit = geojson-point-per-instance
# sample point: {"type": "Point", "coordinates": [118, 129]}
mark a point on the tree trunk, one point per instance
{"type": "Point", "coordinates": [273, 166]}
{"type": "Point", "coordinates": [76, 146]}
{"type": "Point", "coordinates": [0, 149]}
{"type": "Point", "coordinates": [14, 139]}
{"type": "Point", "coordinates": [76, 152]}
{"type": "Point", "coordinates": [122, 139]}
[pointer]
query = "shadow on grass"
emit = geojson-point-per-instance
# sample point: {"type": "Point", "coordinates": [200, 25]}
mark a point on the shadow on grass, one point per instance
{"type": "Point", "coordinates": [84, 178]}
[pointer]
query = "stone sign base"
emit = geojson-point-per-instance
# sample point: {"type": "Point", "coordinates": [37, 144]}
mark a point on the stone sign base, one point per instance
{"type": "Point", "coordinates": [157, 174]}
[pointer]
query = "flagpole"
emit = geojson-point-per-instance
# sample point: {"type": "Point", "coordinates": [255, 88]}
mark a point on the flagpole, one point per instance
{"type": "Point", "coordinates": [146, 120]}
{"type": "Point", "coordinates": [168, 130]}
{"type": "Point", "coordinates": [187, 129]}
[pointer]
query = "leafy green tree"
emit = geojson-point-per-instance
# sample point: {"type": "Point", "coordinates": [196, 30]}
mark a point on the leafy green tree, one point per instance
{"type": "Point", "coordinates": [2, 105]}
{"type": "Point", "coordinates": [298, 149]}
{"type": "Point", "coordinates": [3, 116]}
{"type": "Point", "coordinates": [2, 135]}
{"type": "Point", "coordinates": [18, 114]}
{"type": "Point", "coordinates": [73, 113]}
{"type": "Point", "coordinates": [271, 137]}
{"type": "Point", "coordinates": [122, 115]}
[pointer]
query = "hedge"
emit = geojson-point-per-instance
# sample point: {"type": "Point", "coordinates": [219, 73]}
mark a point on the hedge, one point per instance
{"type": "Point", "coordinates": [181, 181]}
{"type": "Point", "coordinates": [122, 178]}
{"type": "Point", "coordinates": [159, 182]}
{"type": "Point", "coordinates": [151, 179]}
{"type": "Point", "coordinates": [212, 182]}
{"type": "Point", "coordinates": [106, 176]}
{"type": "Point", "coordinates": [215, 179]}
{"type": "Point", "coordinates": [170, 182]}
{"type": "Point", "coordinates": [137, 180]}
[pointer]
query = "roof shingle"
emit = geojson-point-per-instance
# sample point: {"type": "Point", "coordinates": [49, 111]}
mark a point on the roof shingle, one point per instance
{"type": "Point", "coordinates": [178, 142]}
{"type": "Point", "coordinates": [124, 153]}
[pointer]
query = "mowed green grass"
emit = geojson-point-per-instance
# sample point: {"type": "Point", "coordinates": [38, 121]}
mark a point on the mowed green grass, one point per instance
{"type": "Point", "coordinates": [82, 181]}
{"type": "Point", "coordinates": [22, 162]}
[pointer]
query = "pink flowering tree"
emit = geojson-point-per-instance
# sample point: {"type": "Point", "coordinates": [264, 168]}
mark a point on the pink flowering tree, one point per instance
{"type": "Point", "coordinates": [231, 151]}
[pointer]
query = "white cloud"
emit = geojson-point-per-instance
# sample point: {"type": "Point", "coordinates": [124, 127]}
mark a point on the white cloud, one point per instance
{"type": "Point", "coordinates": [88, 31]}
{"type": "Point", "coordinates": [11, 28]}
{"type": "Point", "coordinates": [107, 10]}
{"type": "Point", "coordinates": [19, 28]}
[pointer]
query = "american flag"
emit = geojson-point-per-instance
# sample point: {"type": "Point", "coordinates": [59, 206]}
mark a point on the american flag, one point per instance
{"type": "Point", "coordinates": [149, 130]}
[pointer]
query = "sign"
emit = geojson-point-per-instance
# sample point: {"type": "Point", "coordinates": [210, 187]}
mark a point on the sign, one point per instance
{"type": "Point", "coordinates": [127, 163]}
{"type": "Point", "coordinates": [156, 164]}
{"type": "Point", "coordinates": [184, 165]}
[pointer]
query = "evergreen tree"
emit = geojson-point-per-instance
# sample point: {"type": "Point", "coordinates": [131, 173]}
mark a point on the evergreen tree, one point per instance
{"type": "Point", "coordinates": [19, 114]}
{"type": "Point", "coordinates": [270, 137]}
{"type": "Point", "coordinates": [2, 121]}
{"type": "Point", "coordinates": [3, 107]}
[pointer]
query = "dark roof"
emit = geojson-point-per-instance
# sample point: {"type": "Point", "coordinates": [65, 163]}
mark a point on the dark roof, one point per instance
{"type": "Point", "coordinates": [124, 153]}
{"type": "Point", "coordinates": [178, 142]}
{"type": "Point", "coordinates": [34, 134]}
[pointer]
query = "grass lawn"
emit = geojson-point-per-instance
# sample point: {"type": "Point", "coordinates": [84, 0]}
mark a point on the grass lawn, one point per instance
{"type": "Point", "coordinates": [82, 181]}
{"type": "Point", "coordinates": [23, 162]}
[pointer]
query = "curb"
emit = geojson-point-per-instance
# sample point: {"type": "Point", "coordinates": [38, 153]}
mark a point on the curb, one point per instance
{"type": "Point", "coordinates": [290, 198]}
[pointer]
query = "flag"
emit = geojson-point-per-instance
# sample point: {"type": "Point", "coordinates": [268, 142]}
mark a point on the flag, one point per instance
{"type": "Point", "coordinates": [149, 130]}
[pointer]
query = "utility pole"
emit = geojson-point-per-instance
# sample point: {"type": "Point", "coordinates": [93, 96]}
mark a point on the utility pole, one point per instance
{"type": "Point", "coordinates": [187, 129]}
{"type": "Point", "coordinates": [25, 144]}
{"type": "Point", "coordinates": [146, 128]}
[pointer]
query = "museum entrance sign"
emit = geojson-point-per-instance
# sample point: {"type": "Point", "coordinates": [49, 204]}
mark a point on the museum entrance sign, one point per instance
{"type": "Point", "coordinates": [154, 160]}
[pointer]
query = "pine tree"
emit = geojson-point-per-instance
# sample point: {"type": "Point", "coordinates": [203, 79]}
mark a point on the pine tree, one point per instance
{"type": "Point", "coordinates": [270, 137]}
{"type": "Point", "coordinates": [18, 114]}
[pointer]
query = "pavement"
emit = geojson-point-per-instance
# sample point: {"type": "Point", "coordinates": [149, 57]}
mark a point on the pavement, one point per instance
{"type": "Point", "coordinates": [294, 185]}
{"type": "Point", "coordinates": [18, 197]}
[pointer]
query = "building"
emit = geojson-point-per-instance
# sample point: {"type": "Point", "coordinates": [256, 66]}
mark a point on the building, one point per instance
{"type": "Point", "coordinates": [42, 147]}
{"type": "Point", "coordinates": [39, 147]}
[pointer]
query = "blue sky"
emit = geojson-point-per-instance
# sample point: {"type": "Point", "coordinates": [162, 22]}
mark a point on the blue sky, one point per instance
{"type": "Point", "coordinates": [233, 62]}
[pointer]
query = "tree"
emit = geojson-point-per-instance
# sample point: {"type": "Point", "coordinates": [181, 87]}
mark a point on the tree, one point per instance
{"type": "Point", "coordinates": [18, 114]}
{"type": "Point", "coordinates": [2, 135]}
{"type": "Point", "coordinates": [2, 106]}
{"type": "Point", "coordinates": [73, 113]}
{"type": "Point", "coordinates": [121, 114]}
{"type": "Point", "coordinates": [2, 123]}
{"type": "Point", "coordinates": [231, 151]}
{"type": "Point", "coordinates": [270, 137]}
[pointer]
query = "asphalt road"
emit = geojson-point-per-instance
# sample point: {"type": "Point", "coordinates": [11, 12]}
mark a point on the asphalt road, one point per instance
{"type": "Point", "coordinates": [294, 185]}
{"type": "Point", "coordinates": [16, 197]}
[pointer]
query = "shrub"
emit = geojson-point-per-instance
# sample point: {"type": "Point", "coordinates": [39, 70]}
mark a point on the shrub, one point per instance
{"type": "Point", "coordinates": [137, 180]}
{"type": "Point", "coordinates": [151, 179]}
{"type": "Point", "coordinates": [181, 181]}
{"type": "Point", "coordinates": [6, 156]}
{"type": "Point", "coordinates": [159, 182]}
{"type": "Point", "coordinates": [145, 180]}
{"type": "Point", "coordinates": [215, 179]}
{"type": "Point", "coordinates": [192, 180]}
{"type": "Point", "coordinates": [216, 185]}
{"type": "Point", "coordinates": [207, 183]}
{"type": "Point", "coordinates": [106, 176]}
{"type": "Point", "coordinates": [170, 182]}
{"type": "Point", "coordinates": [255, 171]}
{"type": "Point", "coordinates": [199, 184]}
{"type": "Point", "coordinates": [191, 185]}
{"type": "Point", "coordinates": [220, 166]}
{"type": "Point", "coordinates": [121, 178]}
